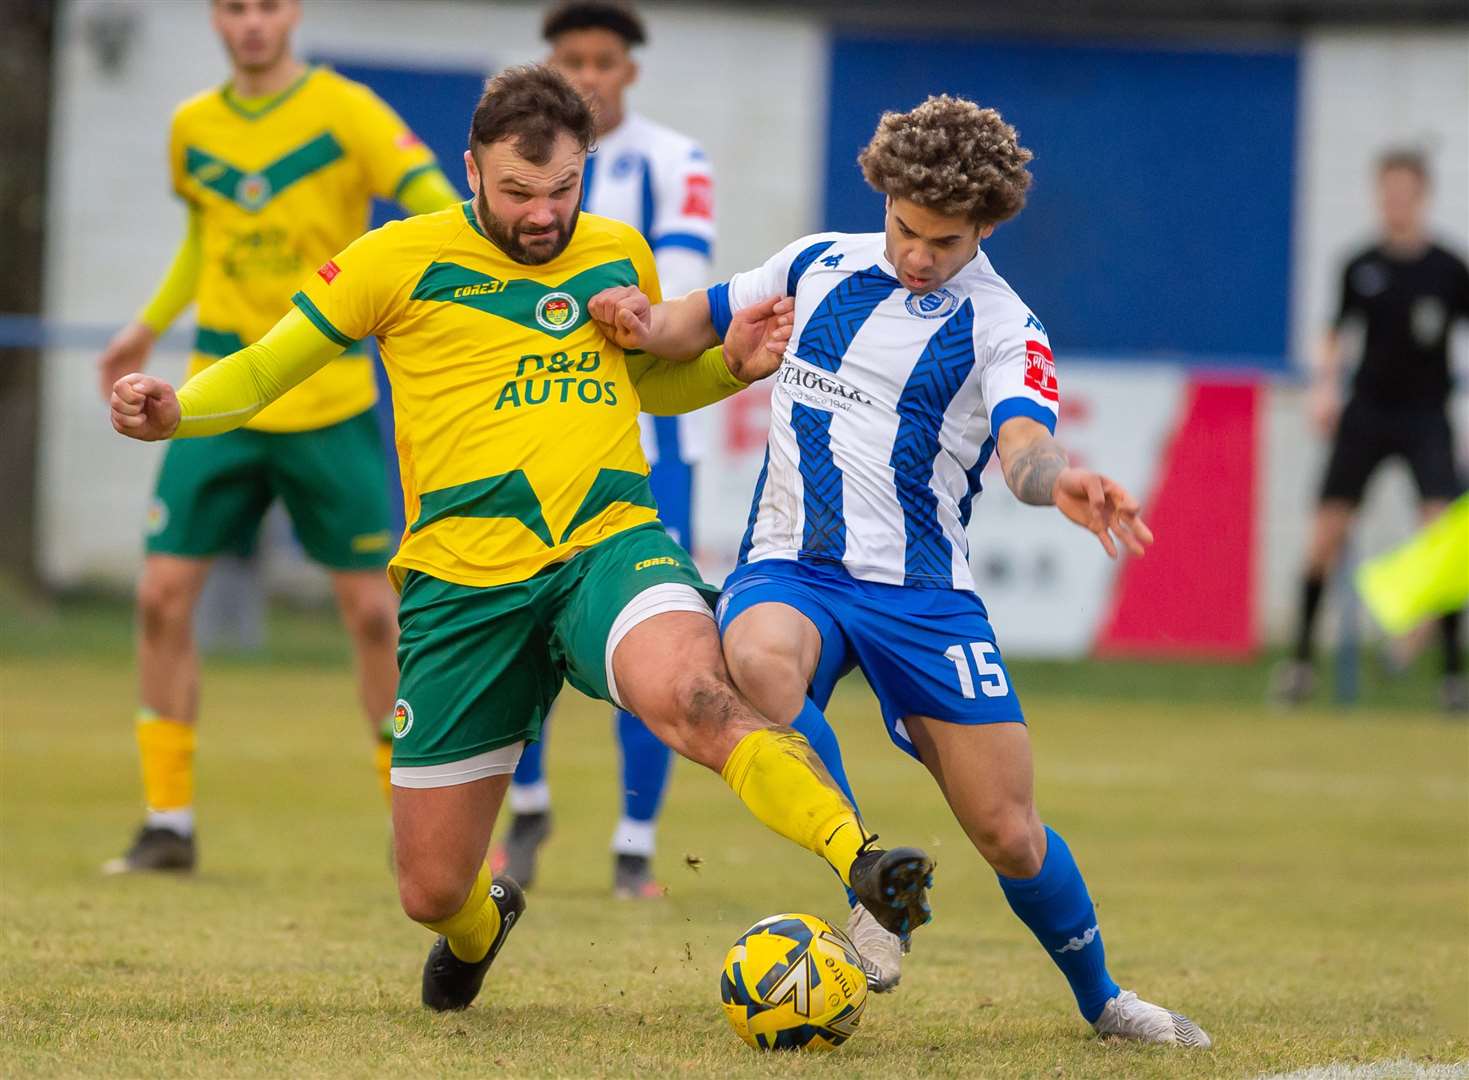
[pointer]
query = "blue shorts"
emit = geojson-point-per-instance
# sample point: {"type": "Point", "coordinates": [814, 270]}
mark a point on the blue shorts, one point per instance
{"type": "Point", "coordinates": [925, 652]}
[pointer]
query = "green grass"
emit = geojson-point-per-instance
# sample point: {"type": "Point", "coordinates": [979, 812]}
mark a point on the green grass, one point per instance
{"type": "Point", "coordinates": [1298, 883]}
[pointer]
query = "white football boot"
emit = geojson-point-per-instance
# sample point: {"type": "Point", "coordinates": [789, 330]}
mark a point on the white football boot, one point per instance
{"type": "Point", "coordinates": [881, 952]}
{"type": "Point", "coordinates": [1128, 1016]}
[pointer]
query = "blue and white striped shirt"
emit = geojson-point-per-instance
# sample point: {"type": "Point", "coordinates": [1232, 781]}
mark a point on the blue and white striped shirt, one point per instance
{"type": "Point", "coordinates": [884, 412]}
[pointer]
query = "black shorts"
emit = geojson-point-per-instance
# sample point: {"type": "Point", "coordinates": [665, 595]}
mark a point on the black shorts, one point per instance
{"type": "Point", "coordinates": [1369, 434]}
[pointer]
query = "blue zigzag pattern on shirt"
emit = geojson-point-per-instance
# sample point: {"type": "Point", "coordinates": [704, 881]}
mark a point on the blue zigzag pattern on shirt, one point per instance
{"type": "Point", "coordinates": [973, 476]}
{"type": "Point", "coordinates": [824, 535]}
{"type": "Point", "coordinates": [749, 539]}
{"type": "Point", "coordinates": [802, 262]}
{"type": "Point", "coordinates": [946, 362]}
{"type": "Point", "coordinates": [829, 332]}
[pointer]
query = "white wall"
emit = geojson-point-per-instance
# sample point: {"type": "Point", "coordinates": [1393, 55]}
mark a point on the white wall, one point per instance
{"type": "Point", "coordinates": [751, 87]}
{"type": "Point", "coordinates": [113, 225]}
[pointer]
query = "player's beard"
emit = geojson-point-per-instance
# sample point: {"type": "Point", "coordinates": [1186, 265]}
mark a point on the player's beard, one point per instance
{"type": "Point", "coordinates": [507, 239]}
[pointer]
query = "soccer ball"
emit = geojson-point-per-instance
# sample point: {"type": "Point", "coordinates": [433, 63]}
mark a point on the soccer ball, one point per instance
{"type": "Point", "coordinates": [793, 982]}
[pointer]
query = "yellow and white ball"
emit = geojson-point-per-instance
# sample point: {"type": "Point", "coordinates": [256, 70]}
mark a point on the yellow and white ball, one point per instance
{"type": "Point", "coordinates": [793, 982]}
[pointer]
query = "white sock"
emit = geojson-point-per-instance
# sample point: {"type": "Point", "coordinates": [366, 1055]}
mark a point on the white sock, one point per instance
{"type": "Point", "coordinates": [530, 798]}
{"type": "Point", "coordinates": [634, 838]}
{"type": "Point", "coordinates": [179, 821]}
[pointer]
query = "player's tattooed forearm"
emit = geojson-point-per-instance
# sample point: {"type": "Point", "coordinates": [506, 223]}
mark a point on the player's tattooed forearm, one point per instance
{"type": "Point", "coordinates": [1032, 474]}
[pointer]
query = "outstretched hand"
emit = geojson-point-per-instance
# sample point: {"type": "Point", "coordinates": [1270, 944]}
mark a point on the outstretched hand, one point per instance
{"type": "Point", "coordinates": [624, 315]}
{"type": "Point", "coordinates": [755, 343]}
{"type": "Point", "coordinates": [1103, 507]}
{"type": "Point", "coordinates": [144, 407]}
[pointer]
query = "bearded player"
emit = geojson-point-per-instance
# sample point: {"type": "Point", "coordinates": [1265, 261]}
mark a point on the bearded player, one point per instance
{"type": "Point", "coordinates": [911, 364]}
{"type": "Point", "coordinates": [659, 181]}
{"type": "Point", "coordinates": [533, 553]}
{"type": "Point", "coordinates": [277, 169]}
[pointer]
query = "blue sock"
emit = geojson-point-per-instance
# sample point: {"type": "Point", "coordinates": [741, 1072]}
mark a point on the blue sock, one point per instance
{"type": "Point", "coordinates": [1058, 910]}
{"type": "Point", "coordinates": [645, 763]}
{"type": "Point", "coordinates": [811, 723]}
{"type": "Point", "coordinates": [532, 767]}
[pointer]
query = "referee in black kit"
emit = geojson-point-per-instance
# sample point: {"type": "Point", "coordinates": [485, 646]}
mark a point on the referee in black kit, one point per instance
{"type": "Point", "coordinates": [1406, 292]}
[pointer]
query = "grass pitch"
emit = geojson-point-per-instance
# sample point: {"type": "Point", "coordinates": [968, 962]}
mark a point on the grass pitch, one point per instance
{"type": "Point", "coordinates": [1297, 883]}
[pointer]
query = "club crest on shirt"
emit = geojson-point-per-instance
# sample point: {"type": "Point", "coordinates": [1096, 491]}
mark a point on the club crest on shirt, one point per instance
{"type": "Point", "coordinates": [253, 191]}
{"type": "Point", "coordinates": [557, 310]}
{"type": "Point", "coordinates": [934, 305]}
{"type": "Point", "coordinates": [1040, 370]}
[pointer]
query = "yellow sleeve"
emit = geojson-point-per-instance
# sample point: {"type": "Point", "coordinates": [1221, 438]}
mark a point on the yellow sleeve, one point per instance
{"type": "Point", "coordinates": [641, 257]}
{"type": "Point", "coordinates": [229, 392]}
{"type": "Point", "coordinates": [392, 157]}
{"type": "Point", "coordinates": [176, 291]}
{"type": "Point", "coordinates": [354, 294]}
{"type": "Point", "coordinates": [427, 192]}
{"type": "Point", "coordinates": [669, 387]}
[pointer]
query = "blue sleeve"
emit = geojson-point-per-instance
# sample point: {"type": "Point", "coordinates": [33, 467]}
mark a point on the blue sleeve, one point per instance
{"type": "Point", "coordinates": [719, 309]}
{"type": "Point", "coordinates": [1010, 408]}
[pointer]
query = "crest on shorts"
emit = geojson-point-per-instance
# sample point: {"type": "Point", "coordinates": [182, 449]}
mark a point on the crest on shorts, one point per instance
{"type": "Point", "coordinates": [402, 719]}
{"type": "Point", "coordinates": [157, 517]}
{"type": "Point", "coordinates": [557, 310]}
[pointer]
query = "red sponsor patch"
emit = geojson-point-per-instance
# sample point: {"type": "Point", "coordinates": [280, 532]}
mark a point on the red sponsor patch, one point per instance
{"type": "Point", "coordinates": [407, 141]}
{"type": "Point", "coordinates": [328, 271]}
{"type": "Point", "coordinates": [698, 197]}
{"type": "Point", "coordinates": [1040, 371]}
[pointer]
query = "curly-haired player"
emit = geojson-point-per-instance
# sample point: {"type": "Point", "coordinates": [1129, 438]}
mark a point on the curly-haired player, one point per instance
{"type": "Point", "coordinates": [911, 363]}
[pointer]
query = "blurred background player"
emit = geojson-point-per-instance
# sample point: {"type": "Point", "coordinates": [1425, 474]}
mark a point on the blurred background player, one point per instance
{"type": "Point", "coordinates": [658, 181]}
{"type": "Point", "coordinates": [277, 168]}
{"type": "Point", "coordinates": [1406, 292]}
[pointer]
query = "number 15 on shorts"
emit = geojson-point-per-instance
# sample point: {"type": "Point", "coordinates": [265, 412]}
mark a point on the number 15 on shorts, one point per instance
{"type": "Point", "coordinates": [984, 671]}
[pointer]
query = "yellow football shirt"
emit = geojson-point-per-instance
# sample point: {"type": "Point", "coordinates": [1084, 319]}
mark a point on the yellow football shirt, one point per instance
{"type": "Point", "coordinates": [280, 189]}
{"type": "Point", "coordinates": [517, 421]}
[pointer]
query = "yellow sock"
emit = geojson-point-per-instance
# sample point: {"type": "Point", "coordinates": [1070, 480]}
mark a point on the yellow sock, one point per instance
{"type": "Point", "coordinates": [778, 776]}
{"type": "Point", "coordinates": [473, 927]}
{"type": "Point", "coordinates": [382, 758]}
{"type": "Point", "coordinates": [166, 748]}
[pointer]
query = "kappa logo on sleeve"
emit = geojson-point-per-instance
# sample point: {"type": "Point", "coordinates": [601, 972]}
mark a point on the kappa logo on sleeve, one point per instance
{"type": "Point", "coordinates": [328, 271]}
{"type": "Point", "coordinates": [698, 197]}
{"type": "Point", "coordinates": [1040, 371]}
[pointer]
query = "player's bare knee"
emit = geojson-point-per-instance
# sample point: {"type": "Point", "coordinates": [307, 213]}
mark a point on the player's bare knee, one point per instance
{"type": "Point", "coordinates": [708, 712]}
{"type": "Point", "coordinates": [1008, 844]}
{"type": "Point", "coordinates": [372, 624]}
{"type": "Point", "coordinates": [429, 897]}
{"type": "Point", "coordinates": [165, 607]}
{"type": "Point", "coordinates": [758, 667]}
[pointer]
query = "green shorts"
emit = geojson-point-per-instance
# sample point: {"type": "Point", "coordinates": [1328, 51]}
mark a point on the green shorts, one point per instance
{"type": "Point", "coordinates": [478, 668]}
{"type": "Point", "coordinates": [212, 493]}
